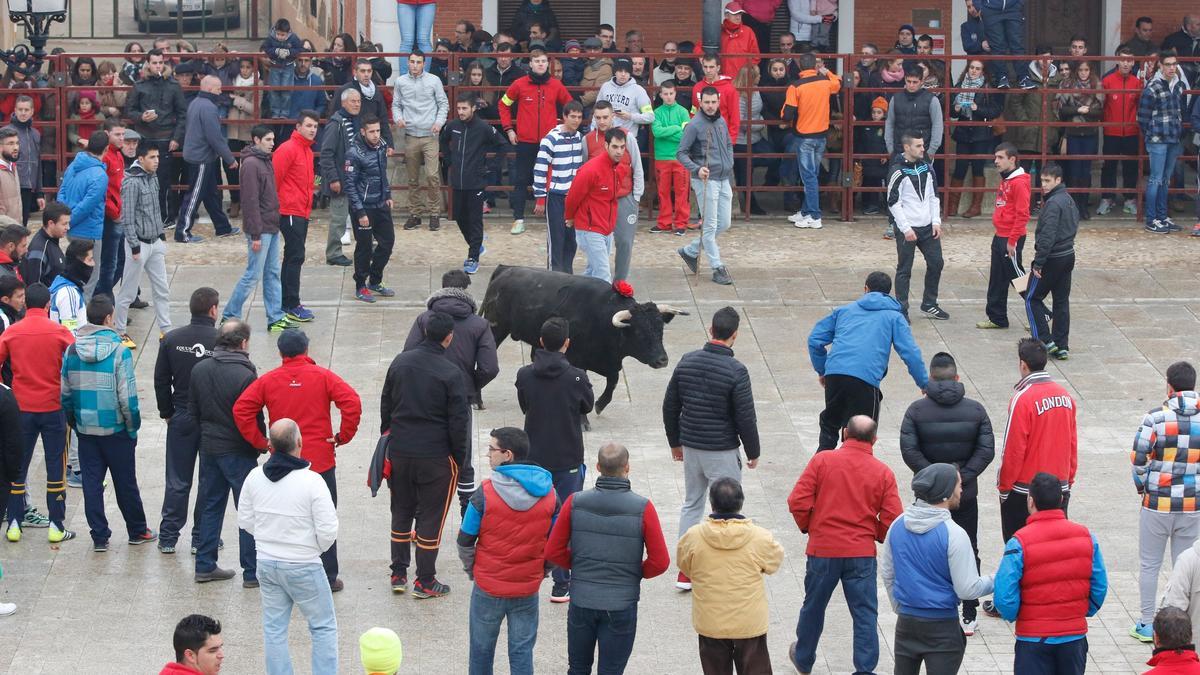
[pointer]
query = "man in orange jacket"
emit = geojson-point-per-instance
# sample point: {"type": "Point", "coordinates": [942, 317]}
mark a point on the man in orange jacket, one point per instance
{"type": "Point", "coordinates": [592, 203]}
{"type": "Point", "coordinates": [303, 391]}
{"type": "Point", "coordinates": [807, 108]}
{"type": "Point", "coordinates": [1010, 219]}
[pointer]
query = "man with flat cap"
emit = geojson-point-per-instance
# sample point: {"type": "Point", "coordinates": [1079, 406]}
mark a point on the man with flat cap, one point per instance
{"type": "Point", "coordinates": [928, 566]}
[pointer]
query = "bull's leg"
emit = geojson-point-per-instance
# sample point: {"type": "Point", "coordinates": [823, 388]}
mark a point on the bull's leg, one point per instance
{"type": "Point", "coordinates": [602, 402]}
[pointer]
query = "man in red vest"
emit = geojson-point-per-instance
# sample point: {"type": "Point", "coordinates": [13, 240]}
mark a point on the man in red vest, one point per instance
{"type": "Point", "coordinates": [501, 545]}
{"type": "Point", "coordinates": [1051, 579]}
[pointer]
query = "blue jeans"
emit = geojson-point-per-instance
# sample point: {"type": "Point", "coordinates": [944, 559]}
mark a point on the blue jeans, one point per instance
{"type": "Point", "coordinates": [280, 101]}
{"type": "Point", "coordinates": [416, 26]}
{"type": "Point", "coordinates": [220, 474]}
{"type": "Point", "coordinates": [595, 247]}
{"type": "Point", "coordinates": [809, 153]}
{"type": "Point", "coordinates": [716, 203]}
{"type": "Point", "coordinates": [566, 483]}
{"type": "Point", "coordinates": [52, 428]}
{"type": "Point", "coordinates": [857, 576]}
{"type": "Point", "coordinates": [1005, 32]}
{"type": "Point", "coordinates": [264, 265]}
{"type": "Point", "coordinates": [115, 455]}
{"type": "Point", "coordinates": [112, 259]}
{"type": "Point", "coordinates": [282, 585]}
{"type": "Point", "coordinates": [1162, 164]}
{"type": "Point", "coordinates": [614, 631]}
{"type": "Point", "coordinates": [487, 613]}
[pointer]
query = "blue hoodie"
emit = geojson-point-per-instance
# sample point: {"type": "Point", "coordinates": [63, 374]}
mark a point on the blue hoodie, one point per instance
{"type": "Point", "coordinates": [83, 187]}
{"type": "Point", "coordinates": [862, 335]}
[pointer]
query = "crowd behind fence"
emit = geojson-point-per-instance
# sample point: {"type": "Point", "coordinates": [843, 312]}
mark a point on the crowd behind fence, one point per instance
{"type": "Point", "coordinates": [56, 115]}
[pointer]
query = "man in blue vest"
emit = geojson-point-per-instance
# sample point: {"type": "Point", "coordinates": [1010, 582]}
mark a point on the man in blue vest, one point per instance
{"type": "Point", "coordinates": [601, 535]}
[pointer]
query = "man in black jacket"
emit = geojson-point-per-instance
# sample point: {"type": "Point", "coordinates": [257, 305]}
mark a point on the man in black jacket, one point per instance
{"type": "Point", "coordinates": [945, 427]}
{"type": "Point", "coordinates": [1053, 261]}
{"type": "Point", "coordinates": [373, 101]}
{"type": "Point", "coordinates": [424, 408]}
{"type": "Point", "coordinates": [44, 260]}
{"type": "Point", "coordinates": [369, 195]}
{"type": "Point", "coordinates": [465, 143]}
{"type": "Point", "coordinates": [225, 457]}
{"type": "Point", "coordinates": [554, 396]}
{"type": "Point", "coordinates": [157, 109]}
{"type": "Point", "coordinates": [178, 352]}
{"type": "Point", "coordinates": [708, 412]}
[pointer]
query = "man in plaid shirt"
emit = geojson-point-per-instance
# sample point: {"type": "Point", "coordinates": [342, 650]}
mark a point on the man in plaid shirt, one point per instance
{"type": "Point", "coordinates": [1160, 117]}
{"type": "Point", "coordinates": [1166, 457]}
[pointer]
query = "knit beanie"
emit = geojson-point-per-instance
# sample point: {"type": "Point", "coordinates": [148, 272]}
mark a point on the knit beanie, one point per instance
{"type": "Point", "coordinates": [881, 103]}
{"type": "Point", "coordinates": [935, 483]}
{"type": "Point", "coordinates": [380, 651]}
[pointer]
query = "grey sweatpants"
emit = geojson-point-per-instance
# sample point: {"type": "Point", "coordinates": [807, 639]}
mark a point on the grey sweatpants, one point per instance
{"type": "Point", "coordinates": [153, 261]}
{"type": "Point", "coordinates": [700, 469]}
{"type": "Point", "coordinates": [1155, 529]}
{"type": "Point", "coordinates": [627, 218]}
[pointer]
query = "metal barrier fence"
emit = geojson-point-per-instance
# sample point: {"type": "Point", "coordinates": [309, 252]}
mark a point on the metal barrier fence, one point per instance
{"type": "Point", "coordinates": [56, 115]}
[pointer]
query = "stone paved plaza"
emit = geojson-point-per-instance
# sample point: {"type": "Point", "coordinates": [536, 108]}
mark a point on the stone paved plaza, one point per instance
{"type": "Point", "coordinates": [1135, 310]}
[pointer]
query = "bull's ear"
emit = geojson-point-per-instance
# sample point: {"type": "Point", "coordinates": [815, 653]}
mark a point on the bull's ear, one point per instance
{"type": "Point", "coordinates": [668, 312]}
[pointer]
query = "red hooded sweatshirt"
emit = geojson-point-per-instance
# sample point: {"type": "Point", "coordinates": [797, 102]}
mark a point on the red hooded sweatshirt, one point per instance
{"type": "Point", "coordinates": [293, 163]}
{"type": "Point", "coordinates": [592, 199]}
{"type": "Point", "coordinates": [1120, 106]}
{"type": "Point", "coordinates": [737, 38]}
{"type": "Point", "coordinates": [114, 166]}
{"type": "Point", "coordinates": [303, 391]}
{"type": "Point", "coordinates": [729, 102]}
{"type": "Point", "coordinates": [34, 347]}
{"type": "Point", "coordinates": [1012, 206]}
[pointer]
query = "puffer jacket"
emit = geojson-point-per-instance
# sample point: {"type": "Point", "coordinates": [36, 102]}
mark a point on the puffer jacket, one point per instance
{"type": "Point", "coordinates": [945, 427]}
{"type": "Point", "coordinates": [261, 213]}
{"type": "Point", "coordinates": [214, 387]}
{"type": "Point", "coordinates": [709, 404]}
{"type": "Point", "coordinates": [726, 556]}
{"type": "Point", "coordinates": [140, 215]}
{"type": "Point", "coordinates": [99, 393]}
{"type": "Point", "coordinates": [1164, 452]}
{"type": "Point", "coordinates": [473, 349]}
{"type": "Point", "coordinates": [367, 185]}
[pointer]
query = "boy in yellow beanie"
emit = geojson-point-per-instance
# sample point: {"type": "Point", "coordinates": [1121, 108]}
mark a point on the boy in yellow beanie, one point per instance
{"type": "Point", "coordinates": [380, 651]}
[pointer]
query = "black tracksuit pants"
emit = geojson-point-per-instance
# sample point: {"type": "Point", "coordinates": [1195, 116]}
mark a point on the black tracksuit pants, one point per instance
{"type": "Point", "coordinates": [467, 206]}
{"type": "Point", "coordinates": [1000, 275]}
{"type": "Point", "coordinates": [373, 247]}
{"type": "Point", "coordinates": [1014, 511]}
{"type": "Point", "coordinates": [966, 516]}
{"type": "Point", "coordinates": [1056, 281]}
{"type": "Point", "coordinates": [845, 397]}
{"type": "Point", "coordinates": [422, 490]}
{"type": "Point", "coordinates": [295, 231]}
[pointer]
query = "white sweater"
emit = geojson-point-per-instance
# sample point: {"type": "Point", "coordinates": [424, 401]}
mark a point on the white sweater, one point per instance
{"type": "Point", "coordinates": [292, 520]}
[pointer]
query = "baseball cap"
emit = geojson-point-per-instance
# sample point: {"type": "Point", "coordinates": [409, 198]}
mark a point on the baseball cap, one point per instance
{"type": "Point", "coordinates": [734, 7]}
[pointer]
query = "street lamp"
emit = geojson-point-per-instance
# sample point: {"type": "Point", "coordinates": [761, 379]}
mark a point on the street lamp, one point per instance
{"type": "Point", "coordinates": [36, 16]}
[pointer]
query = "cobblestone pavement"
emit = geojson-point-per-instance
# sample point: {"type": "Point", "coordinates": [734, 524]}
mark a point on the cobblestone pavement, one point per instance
{"type": "Point", "coordinates": [1135, 312]}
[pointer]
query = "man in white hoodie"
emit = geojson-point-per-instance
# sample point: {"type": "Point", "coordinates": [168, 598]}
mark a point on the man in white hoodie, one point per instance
{"type": "Point", "coordinates": [912, 200]}
{"type": "Point", "coordinates": [928, 566]}
{"type": "Point", "coordinates": [288, 510]}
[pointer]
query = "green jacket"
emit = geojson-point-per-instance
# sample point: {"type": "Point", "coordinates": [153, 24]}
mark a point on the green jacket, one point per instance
{"type": "Point", "coordinates": [668, 129]}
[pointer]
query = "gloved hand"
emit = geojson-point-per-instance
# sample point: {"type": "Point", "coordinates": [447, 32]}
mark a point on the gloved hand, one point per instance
{"type": "Point", "coordinates": [464, 498]}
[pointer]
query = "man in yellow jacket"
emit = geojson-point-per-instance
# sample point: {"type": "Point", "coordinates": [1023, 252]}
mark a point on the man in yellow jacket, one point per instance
{"type": "Point", "coordinates": [726, 556]}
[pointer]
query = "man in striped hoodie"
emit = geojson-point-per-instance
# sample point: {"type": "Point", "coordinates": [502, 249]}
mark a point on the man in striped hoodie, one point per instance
{"type": "Point", "coordinates": [559, 157]}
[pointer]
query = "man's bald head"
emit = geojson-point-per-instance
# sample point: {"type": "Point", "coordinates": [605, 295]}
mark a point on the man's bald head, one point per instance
{"type": "Point", "coordinates": [210, 84]}
{"type": "Point", "coordinates": [285, 437]}
{"type": "Point", "coordinates": [861, 428]}
{"type": "Point", "coordinates": [613, 461]}
{"type": "Point", "coordinates": [233, 335]}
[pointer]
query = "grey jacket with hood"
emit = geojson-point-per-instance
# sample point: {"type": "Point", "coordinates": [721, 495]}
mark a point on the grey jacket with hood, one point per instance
{"type": "Point", "coordinates": [630, 97]}
{"type": "Point", "coordinates": [920, 518]}
{"type": "Point", "coordinates": [140, 215]}
{"type": "Point", "coordinates": [706, 142]}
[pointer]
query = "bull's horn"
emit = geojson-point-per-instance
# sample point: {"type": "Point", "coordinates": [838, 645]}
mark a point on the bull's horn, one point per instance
{"type": "Point", "coordinates": [664, 308]}
{"type": "Point", "coordinates": [621, 317]}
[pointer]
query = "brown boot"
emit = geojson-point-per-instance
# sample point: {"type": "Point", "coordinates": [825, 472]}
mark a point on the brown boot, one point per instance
{"type": "Point", "coordinates": [976, 207]}
{"type": "Point", "coordinates": [952, 198]}
{"type": "Point", "coordinates": [235, 209]}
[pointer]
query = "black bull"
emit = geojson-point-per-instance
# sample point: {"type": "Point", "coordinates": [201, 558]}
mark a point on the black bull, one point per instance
{"type": "Point", "coordinates": [605, 327]}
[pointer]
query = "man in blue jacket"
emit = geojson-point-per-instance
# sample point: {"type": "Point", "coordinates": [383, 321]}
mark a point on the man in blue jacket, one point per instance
{"type": "Point", "coordinates": [203, 145]}
{"type": "Point", "coordinates": [927, 564]}
{"type": "Point", "coordinates": [849, 349]}
{"type": "Point", "coordinates": [84, 186]}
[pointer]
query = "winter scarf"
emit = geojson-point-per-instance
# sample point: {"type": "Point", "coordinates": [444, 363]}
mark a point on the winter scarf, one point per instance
{"type": "Point", "coordinates": [890, 76]}
{"type": "Point", "coordinates": [964, 99]}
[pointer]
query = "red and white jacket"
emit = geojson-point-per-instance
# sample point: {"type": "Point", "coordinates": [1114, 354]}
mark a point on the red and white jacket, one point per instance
{"type": "Point", "coordinates": [1011, 216]}
{"type": "Point", "coordinates": [1040, 435]}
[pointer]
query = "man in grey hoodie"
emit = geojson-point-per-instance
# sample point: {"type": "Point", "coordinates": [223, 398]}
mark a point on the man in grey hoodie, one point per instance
{"type": "Point", "coordinates": [145, 242]}
{"type": "Point", "coordinates": [420, 109]}
{"type": "Point", "coordinates": [706, 151]}
{"type": "Point", "coordinates": [630, 102]}
{"type": "Point", "coordinates": [927, 566]}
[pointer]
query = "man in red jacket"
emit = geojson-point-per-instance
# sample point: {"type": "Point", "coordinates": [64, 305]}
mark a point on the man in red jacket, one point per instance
{"type": "Point", "coordinates": [199, 647]}
{"type": "Point", "coordinates": [538, 98]}
{"type": "Point", "coordinates": [34, 348]}
{"type": "Point", "coordinates": [111, 250]}
{"type": "Point", "coordinates": [591, 206]}
{"type": "Point", "coordinates": [1010, 220]}
{"type": "Point", "coordinates": [1174, 650]}
{"type": "Point", "coordinates": [501, 545]}
{"type": "Point", "coordinates": [737, 38]}
{"type": "Point", "coordinates": [845, 501]}
{"type": "Point", "coordinates": [1123, 92]}
{"type": "Point", "coordinates": [725, 89]}
{"type": "Point", "coordinates": [303, 391]}
{"type": "Point", "coordinates": [293, 163]}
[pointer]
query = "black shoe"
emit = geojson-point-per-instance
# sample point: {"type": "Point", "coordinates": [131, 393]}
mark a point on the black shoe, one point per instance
{"type": "Point", "coordinates": [561, 592]}
{"type": "Point", "coordinates": [233, 232]}
{"type": "Point", "coordinates": [432, 589]}
{"type": "Point", "coordinates": [693, 264]}
{"type": "Point", "coordinates": [935, 312]}
{"type": "Point", "coordinates": [721, 276]}
{"type": "Point", "coordinates": [336, 586]}
{"type": "Point", "coordinates": [989, 608]}
{"type": "Point", "coordinates": [217, 574]}
{"type": "Point", "coordinates": [340, 261]}
{"type": "Point", "coordinates": [138, 303]}
{"type": "Point", "coordinates": [412, 223]}
{"type": "Point", "coordinates": [250, 583]}
{"type": "Point", "coordinates": [435, 223]}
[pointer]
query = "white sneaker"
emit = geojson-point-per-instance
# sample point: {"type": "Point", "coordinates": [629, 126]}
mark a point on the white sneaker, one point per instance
{"type": "Point", "coordinates": [1104, 207]}
{"type": "Point", "coordinates": [969, 627]}
{"type": "Point", "coordinates": [809, 223]}
{"type": "Point", "coordinates": [7, 608]}
{"type": "Point", "coordinates": [346, 238]}
{"type": "Point", "coordinates": [798, 217]}
{"type": "Point", "coordinates": [1130, 207]}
